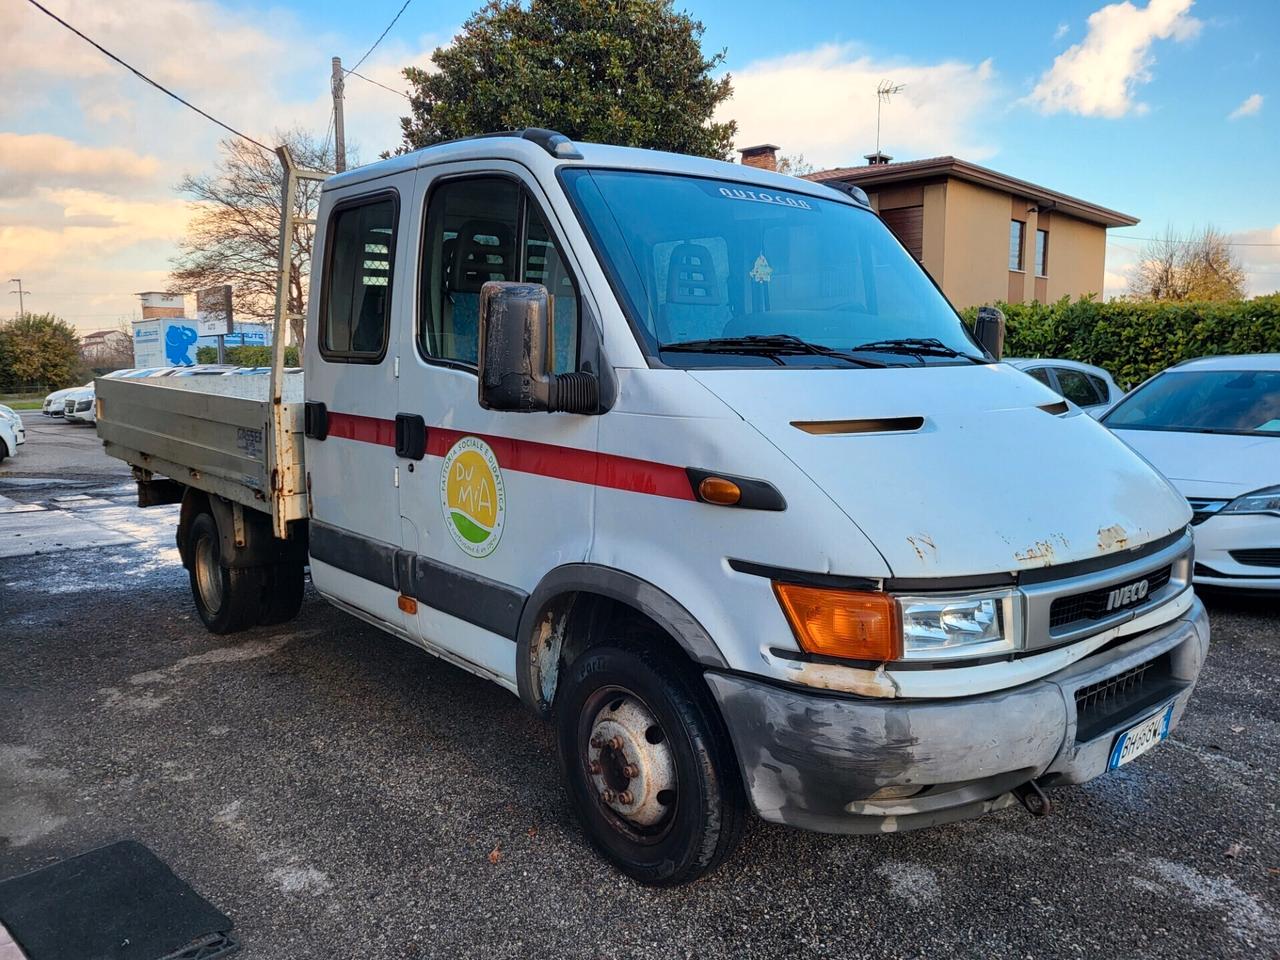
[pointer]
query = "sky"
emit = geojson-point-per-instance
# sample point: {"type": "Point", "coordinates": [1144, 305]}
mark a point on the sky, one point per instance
{"type": "Point", "coordinates": [1168, 110]}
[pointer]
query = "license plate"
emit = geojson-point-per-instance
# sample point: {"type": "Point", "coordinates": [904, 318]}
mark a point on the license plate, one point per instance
{"type": "Point", "coordinates": [1141, 737]}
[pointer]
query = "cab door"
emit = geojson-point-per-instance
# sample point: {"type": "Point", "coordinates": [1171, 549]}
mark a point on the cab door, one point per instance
{"type": "Point", "coordinates": [497, 498]}
{"type": "Point", "coordinates": [358, 312]}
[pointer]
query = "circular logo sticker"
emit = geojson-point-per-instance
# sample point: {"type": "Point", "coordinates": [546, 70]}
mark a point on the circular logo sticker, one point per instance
{"type": "Point", "coordinates": [472, 497]}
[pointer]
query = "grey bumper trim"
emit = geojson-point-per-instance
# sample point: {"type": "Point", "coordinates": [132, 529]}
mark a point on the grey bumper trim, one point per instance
{"type": "Point", "coordinates": [814, 761]}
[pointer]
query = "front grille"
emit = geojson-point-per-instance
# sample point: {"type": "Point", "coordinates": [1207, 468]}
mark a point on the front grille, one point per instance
{"type": "Point", "coordinates": [1107, 702]}
{"type": "Point", "coordinates": [1092, 605]}
{"type": "Point", "coordinates": [1266, 557]}
{"type": "Point", "coordinates": [1203, 508]}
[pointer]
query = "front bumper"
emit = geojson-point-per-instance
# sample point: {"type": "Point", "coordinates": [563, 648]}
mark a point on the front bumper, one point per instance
{"type": "Point", "coordinates": [816, 761]}
{"type": "Point", "coordinates": [1221, 534]}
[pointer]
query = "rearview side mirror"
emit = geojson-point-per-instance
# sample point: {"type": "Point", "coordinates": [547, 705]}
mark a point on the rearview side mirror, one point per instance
{"type": "Point", "coordinates": [989, 330]}
{"type": "Point", "coordinates": [516, 353]}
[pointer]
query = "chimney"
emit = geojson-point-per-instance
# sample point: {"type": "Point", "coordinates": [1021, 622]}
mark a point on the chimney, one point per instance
{"type": "Point", "coordinates": [877, 159]}
{"type": "Point", "coordinates": [764, 156]}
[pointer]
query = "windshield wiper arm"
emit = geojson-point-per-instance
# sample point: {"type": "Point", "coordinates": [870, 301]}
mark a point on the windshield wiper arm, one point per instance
{"type": "Point", "coordinates": [917, 346]}
{"type": "Point", "coordinates": [767, 345]}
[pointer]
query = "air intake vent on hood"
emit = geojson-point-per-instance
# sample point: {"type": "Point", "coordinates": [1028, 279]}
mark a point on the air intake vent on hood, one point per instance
{"type": "Point", "coordinates": [837, 427]}
{"type": "Point", "coordinates": [1057, 409]}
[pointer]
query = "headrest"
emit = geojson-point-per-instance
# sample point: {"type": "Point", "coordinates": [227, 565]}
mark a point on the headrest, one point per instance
{"type": "Point", "coordinates": [691, 276]}
{"type": "Point", "coordinates": [483, 251]}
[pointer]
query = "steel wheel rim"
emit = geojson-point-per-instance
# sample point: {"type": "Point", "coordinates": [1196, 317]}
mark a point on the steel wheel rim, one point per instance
{"type": "Point", "coordinates": [208, 575]}
{"type": "Point", "coordinates": [643, 804]}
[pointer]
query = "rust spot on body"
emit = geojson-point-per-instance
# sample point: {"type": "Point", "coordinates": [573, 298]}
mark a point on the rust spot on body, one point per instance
{"type": "Point", "coordinates": [1112, 538]}
{"type": "Point", "coordinates": [920, 541]}
{"type": "Point", "coordinates": [868, 683]}
{"type": "Point", "coordinates": [1040, 552]}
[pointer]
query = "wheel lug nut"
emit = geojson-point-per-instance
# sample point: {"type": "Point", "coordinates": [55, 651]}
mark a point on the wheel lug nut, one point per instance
{"type": "Point", "coordinates": [630, 771]}
{"type": "Point", "coordinates": [595, 767]}
{"type": "Point", "coordinates": [606, 796]}
{"type": "Point", "coordinates": [598, 742]}
{"type": "Point", "coordinates": [625, 798]}
{"type": "Point", "coordinates": [616, 743]}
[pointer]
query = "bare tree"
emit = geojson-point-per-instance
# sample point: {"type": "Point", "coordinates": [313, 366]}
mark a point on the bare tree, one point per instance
{"type": "Point", "coordinates": [234, 237]}
{"type": "Point", "coordinates": [794, 165]}
{"type": "Point", "coordinates": [1200, 265]}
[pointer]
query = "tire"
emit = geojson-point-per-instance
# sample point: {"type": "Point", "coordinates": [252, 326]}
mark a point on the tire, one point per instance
{"type": "Point", "coordinates": [227, 599]}
{"type": "Point", "coordinates": [286, 583]}
{"type": "Point", "coordinates": [4, 450]}
{"type": "Point", "coordinates": [661, 821]}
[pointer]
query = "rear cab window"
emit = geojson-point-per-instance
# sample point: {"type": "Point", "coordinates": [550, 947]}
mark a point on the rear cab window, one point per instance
{"type": "Point", "coordinates": [355, 302]}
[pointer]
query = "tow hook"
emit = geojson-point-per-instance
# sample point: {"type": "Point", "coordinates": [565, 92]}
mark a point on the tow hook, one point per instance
{"type": "Point", "coordinates": [1034, 799]}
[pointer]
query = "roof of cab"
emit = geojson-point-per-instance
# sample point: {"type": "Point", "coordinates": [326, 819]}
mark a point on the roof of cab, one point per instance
{"type": "Point", "coordinates": [516, 146]}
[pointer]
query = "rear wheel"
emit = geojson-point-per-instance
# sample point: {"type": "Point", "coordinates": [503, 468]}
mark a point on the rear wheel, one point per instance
{"type": "Point", "coordinates": [648, 763]}
{"type": "Point", "coordinates": [4, 450]}
{"type": "Point", "coordinates": [227, 599]}
{"type": "Point", "coordinates": [285, 585]}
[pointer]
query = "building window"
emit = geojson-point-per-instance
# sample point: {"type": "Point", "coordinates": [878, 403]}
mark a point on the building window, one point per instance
{"type": "Point", "coordinates": [1017, 229]}
{"type": "Point", "coordinates": [1042, 253]}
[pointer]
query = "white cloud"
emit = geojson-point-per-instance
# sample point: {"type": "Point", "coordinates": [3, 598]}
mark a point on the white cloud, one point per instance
{"type": "Point", "coordinates": [1062, 31]}
{"type": "Point", "coordinates": [1251, 105]}
{"type": "Point", "coordinates": [1099, 76]}
{"type": "Point", "coordinates": [1259, 253]}
{"type": "Point", "coordinates": [822, 103]}
{"type": "Point", "coordinates": [28, 160]}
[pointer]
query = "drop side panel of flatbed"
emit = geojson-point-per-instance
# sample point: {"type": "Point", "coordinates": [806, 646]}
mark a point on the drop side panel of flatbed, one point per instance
{"type": "Point", "coordinates": [211, 433]}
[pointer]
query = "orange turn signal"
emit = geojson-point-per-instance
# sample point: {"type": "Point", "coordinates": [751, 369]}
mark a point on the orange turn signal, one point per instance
{"type": "Point", "coordinates": [407, 604]}
{"type": "Point", "coordinates": [857, 625]}
{"type": "Point", "coordinates": [719, 490]}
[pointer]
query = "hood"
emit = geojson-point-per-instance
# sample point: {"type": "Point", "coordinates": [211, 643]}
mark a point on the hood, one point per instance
{"type": "Point", "coordinates": [987, 483]}
{"type": "Point", "coordinates": [1213, 465]}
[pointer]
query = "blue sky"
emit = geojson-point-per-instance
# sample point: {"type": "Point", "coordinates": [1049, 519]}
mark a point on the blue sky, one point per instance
{"type": "Point", "coordinates": [1129, 105]}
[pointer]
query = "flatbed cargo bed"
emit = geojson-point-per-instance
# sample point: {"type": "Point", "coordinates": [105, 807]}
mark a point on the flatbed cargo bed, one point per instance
{"type": "Point", "coordinates": [212, 433]}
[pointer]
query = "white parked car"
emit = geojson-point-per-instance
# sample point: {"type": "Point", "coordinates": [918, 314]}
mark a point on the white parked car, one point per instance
{"type": "Point", "coordinates": [12, 432]}
{"type": "Point", "coordinates": [1212, 426]}
{"type": "Point", "coordinates": [55, 402]}
{"type": "Point", "coordinates": [1090, 388]}
{"type": "Point", "coordinates": [78, 406]}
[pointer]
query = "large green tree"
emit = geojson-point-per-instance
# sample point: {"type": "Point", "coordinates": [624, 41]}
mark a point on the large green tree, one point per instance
{"type": "Point", "coordinates": [629, 72]}
{"type": "Point", "coordinates": [39, 351]}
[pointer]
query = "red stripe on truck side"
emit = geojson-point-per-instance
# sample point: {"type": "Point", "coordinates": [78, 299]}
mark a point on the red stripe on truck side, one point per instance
{"type": "Point", "coordinates": [540, 459]}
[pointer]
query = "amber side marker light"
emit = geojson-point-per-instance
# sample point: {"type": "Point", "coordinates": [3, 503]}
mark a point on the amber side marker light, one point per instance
{"type": "Point", "coordinates": [407, 604]}
{"type": "Point", "coordinates": [719, 490]}
{"type": "Point", "coordinates": [854, 624]}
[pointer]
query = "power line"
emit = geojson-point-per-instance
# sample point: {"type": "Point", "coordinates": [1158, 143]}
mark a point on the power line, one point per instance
{"type": "Point", "coordinates": [377, 84]}
{"type": "Point", "coordinates": [1229, 243]}
{"type": "Point", "coordinates": [380, 38]}
{"type": "Point", "coordinates": [142, 76]}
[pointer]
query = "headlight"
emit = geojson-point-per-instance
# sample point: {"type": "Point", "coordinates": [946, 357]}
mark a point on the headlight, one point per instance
{"type": "Point", "coordinates": [967, 625]}
{"type": "Point", "coordinates": [875, 626]}
{"type": "Point", "coordinates": [1266, 500]}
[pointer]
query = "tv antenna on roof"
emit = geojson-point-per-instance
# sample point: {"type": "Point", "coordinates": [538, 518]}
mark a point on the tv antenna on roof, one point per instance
{"type": "Point", "coordinates": [884, 91]}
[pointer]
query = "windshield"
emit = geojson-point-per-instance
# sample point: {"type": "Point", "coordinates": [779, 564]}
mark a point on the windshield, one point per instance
{"type": "Point", "coordinates": [1203, 401]}
{"type": "Point", "coordinates": [714, 273]}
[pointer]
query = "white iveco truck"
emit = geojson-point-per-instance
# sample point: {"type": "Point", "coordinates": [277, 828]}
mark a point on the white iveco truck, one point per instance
{"type": "Point", "coordinates": [698, 462]}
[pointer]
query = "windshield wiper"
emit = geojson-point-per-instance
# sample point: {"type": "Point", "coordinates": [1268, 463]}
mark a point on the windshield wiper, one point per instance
{"type": "Point", "coordinates": [773, 345]}
{"type": "Point", "coordinates": [917, 347]}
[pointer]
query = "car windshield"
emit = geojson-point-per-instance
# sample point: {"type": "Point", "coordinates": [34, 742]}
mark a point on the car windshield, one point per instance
{"type": "Point", "coordinates": [1203, 401]}
{"type": "Point", "coordinates": [715, 273]}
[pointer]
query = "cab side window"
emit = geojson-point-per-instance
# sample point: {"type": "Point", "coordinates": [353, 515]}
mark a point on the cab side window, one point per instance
{"type": "Point", "coordinates": [356, 299]}
{"type": "Point", "coordinates": [480, 230]}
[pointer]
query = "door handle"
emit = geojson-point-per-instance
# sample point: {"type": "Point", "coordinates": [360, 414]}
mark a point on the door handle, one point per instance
{"type": "Point", "coordinates": [315, 420]}
{"type": "Point", "coordinates": [411, 436]}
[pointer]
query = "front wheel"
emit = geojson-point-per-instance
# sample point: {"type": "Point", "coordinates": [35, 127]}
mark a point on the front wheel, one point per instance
{"type": "Point", "coordinates": [648, 764]}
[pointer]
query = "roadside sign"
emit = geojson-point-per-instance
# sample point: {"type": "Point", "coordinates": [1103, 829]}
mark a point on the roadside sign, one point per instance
{"type": "Point", "coordinates": [213, 311]}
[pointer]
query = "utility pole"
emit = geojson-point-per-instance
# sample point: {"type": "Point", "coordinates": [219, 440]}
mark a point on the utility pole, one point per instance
{"type": "Point", "coordinates": [22, 308]}
{"type": "Point", "coordinates": [339, 130]}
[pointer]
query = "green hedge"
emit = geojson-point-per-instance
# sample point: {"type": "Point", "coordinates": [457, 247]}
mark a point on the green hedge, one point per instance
{"type": "Point", "coordinates": [248, 356]}
{"type": "Point", "coordinates": [1134, 339]}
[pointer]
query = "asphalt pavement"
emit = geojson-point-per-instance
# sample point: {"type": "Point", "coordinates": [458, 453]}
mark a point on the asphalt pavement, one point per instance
{"type": "Point", "coordinates": [340, 793]}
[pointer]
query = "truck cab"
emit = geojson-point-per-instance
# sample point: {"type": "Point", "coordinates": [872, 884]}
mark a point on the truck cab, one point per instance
{"type": "Point", "coordinates": [697, 461]}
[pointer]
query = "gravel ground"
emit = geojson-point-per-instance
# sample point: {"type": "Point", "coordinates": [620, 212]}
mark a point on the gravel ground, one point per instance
{"type": "Point", "coordinates": [340, 793]}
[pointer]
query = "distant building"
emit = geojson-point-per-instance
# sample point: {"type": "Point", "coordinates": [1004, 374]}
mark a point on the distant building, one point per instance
{"type": "Point", "coordinates": [982, 235]}
{"type": "Point", "coordinates": [157, 305]}
{"type": "Point", "coordinates": [105, 347]}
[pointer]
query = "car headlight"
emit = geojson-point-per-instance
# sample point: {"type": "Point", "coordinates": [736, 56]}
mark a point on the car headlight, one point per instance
{"type": "Point", "coordinates": [876, 626]}
{"type": "Point", "coordinates": [961, 625]}
{"type": "Point", "coordinates": [1266, 500]}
